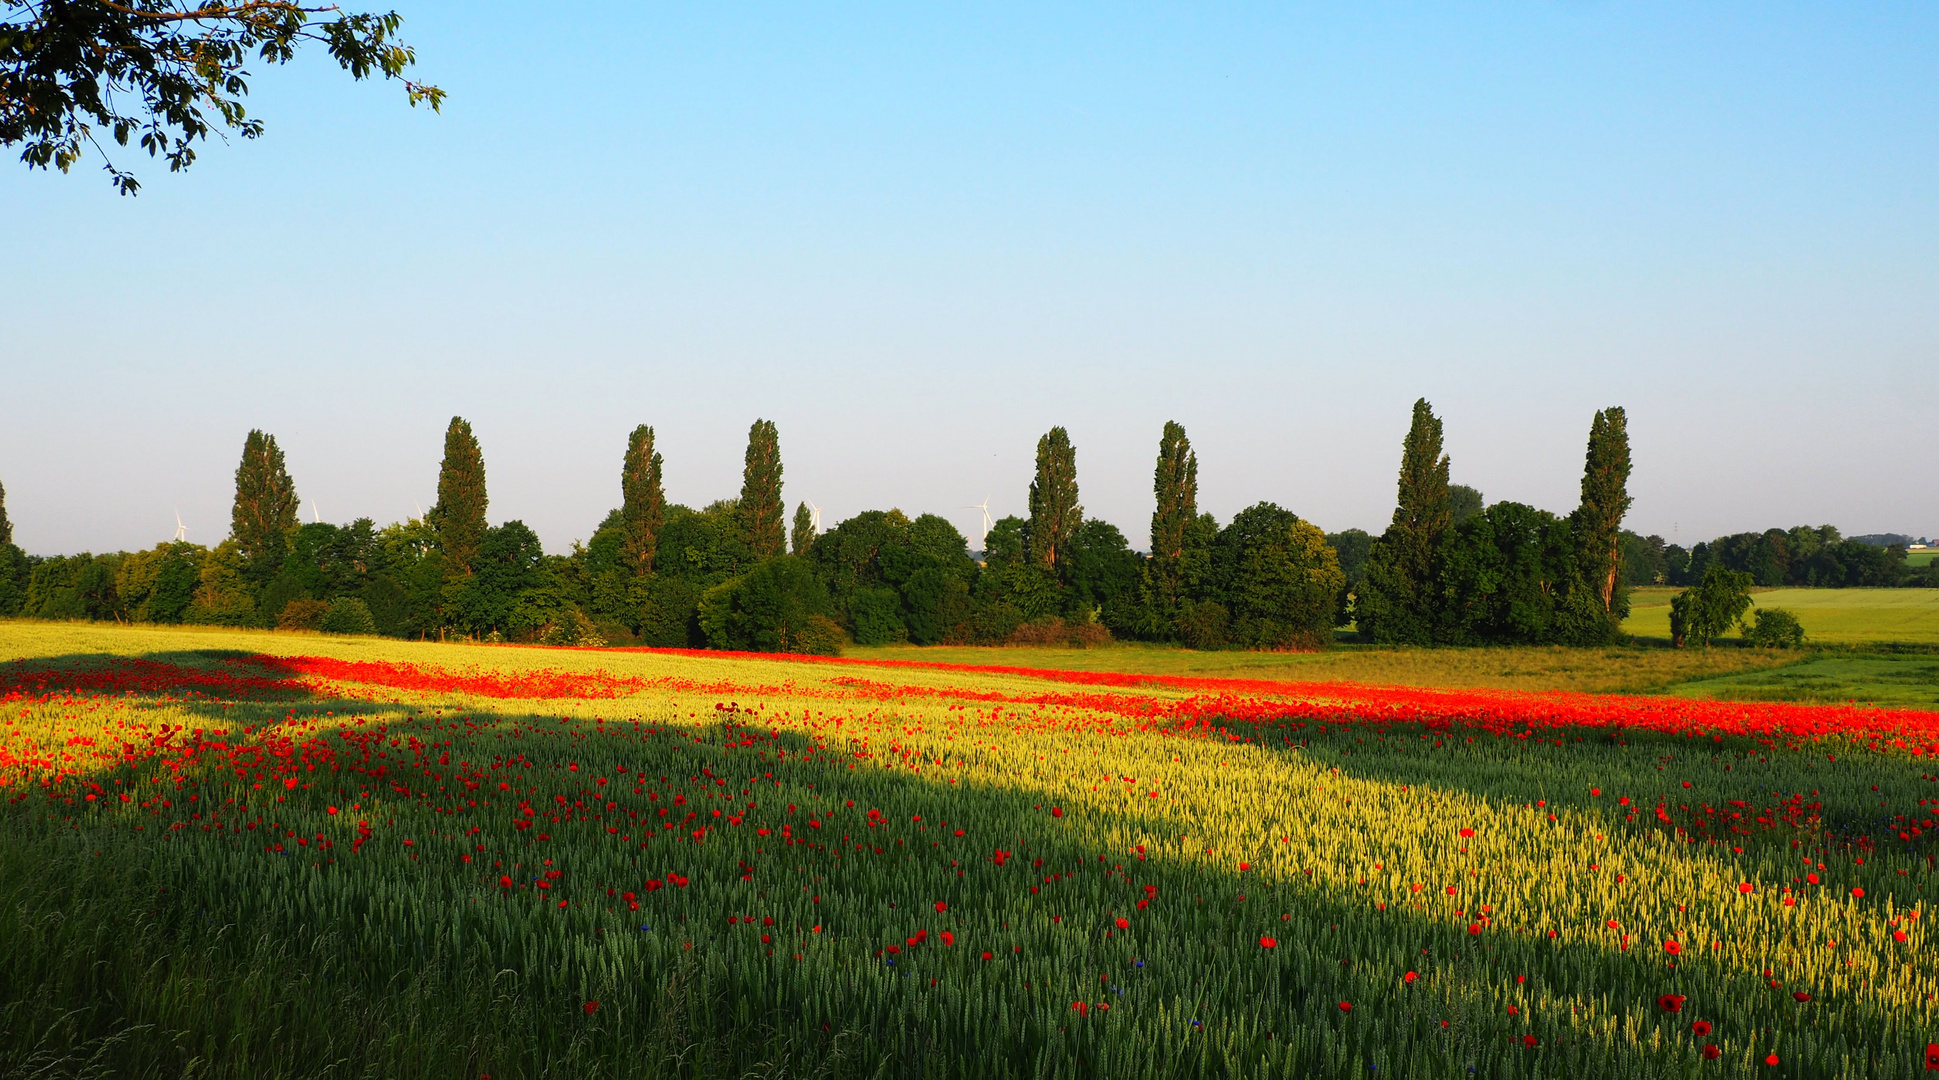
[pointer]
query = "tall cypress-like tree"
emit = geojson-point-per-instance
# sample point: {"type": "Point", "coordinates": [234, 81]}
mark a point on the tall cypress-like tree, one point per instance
{"type": "Point", "coordinates": [264, 515]}
{"type": "Point", "coordinates": [1396, 603]}
{"type": "Point", "coordinates": [643, 510]}
{"type": "Point", "coordinates": [1175, 483]}
{"type": "Point", "coordinates": [760, 508]}
{"type": "Point", "coordinates": [459, 516]}
{"type": "Point", "coordinates": [802, 537]}
{"type": "Point", "coordinates": [6, 526]}
{"type": "Point", "coordinates": [1598, 522]}
{"type": "Point", "coordinates": [1054, 510]}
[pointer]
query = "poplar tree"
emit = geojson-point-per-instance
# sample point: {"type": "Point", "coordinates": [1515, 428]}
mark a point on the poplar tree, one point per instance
{"type": "Point", "coordinates": [264, 515]}
{"type": "Point", "coordinates": [1054, 511]}
{"type": "Point", "coordinates": [760, 505]}
{"type": "Point", "coordinates": [1175, 483]}
{"type": "Point", "coordinates": [1396, 603]}
{"type": "Point", "coordinates": [1597, 524]}
{"type": "Point", "coordinates": [803, 535]}
{"type": "Point", "coordinates": [643, 510]}
{"type": "Point", "coordinates": [6, 526]}
{"type": "Point", "coordinates": [458, 518]}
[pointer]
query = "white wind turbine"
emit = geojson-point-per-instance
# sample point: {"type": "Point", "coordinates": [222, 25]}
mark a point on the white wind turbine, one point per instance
{"type": "Point", "coordinates": [985, 507]}
{"type": "Point", "coordinates": [814, 516]}
{"type": "Point", "coordinates": [181, 530]}
{"type": "Point", "coordinates": [314, 516]}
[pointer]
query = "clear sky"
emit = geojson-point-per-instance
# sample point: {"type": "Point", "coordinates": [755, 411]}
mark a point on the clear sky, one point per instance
{"type": "Point", "coordinates": [918, 235]}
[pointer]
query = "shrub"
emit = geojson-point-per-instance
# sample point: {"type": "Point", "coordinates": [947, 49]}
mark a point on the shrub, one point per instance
{"type": "Point", "coordinates": [1202, 624]}
{"type": "Point", "coordinates": [1707, 610]}
{"type": "Point", "coordinates": [1055, 631]}
{"type": "Point", "coordinates": [303, 614]}
{"type": "Point", "coordinates": [347, 615]}
{"type": "Point", "coordinates": [1775, 628]}
{"type": "Point", "coordinates": [572, 628]}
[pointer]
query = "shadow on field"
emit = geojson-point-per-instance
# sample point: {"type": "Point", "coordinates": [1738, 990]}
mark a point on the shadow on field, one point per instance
{"type": "Point", "coordinates": [194, 948]}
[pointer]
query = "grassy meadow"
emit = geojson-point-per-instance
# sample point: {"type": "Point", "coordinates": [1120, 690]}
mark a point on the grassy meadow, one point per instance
{"type": "Point", "coordinates": [1830, 616]}
{"type": "Point", "coordinates": [289, 855]}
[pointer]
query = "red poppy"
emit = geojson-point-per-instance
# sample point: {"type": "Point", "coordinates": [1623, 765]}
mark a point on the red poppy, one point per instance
{"type": "Point", "coordinates": [1244, 866]}
{"type": "Point", "coordinates": [1124, 924]}
{"type": "Point", "coordinates": [1082, 1008]}
{"type": "Point", "coordinates": [1410, 977]}
{"type": "Point", "coordinates": [1898, 936]}
{"type": "Point", "coordinates": [1932, 1057]}
{"type": "Point", "coordinates": [1058, 811]}
{"type": "Point", "coordinates": [1770, 1059]}
{"type": "Point", "coordinates": [1466, 833]}
{"type": "Point", "coordinates": [1857, 893]}
{"type": "Point", "coordinates": [1531, 1041]}
{"type": "Point", "coordinates": [1800, 997]}
{"type": "Point", "coordinates": [948, 938]}
{"type": "Point", "coordinates": [591, 1007]}
{"type": "Point", "coordinates": [1672, 948]}
{"type": "Point", "coordinates": [504, 881]}
{"type": "Point", "coordinates": [1474, 928]}
{"type": "Point", "coordinates": [941, 907]}
{"type": "Point", "coordinates": [1745, 887]}
{"type": "Point", "coordinates": [988, 956]}
{"type": "Point", "coordinates": [1700, 1028]}
{"type": "Point", "coordinates": [1710, 1052]}
{"type": "Point", "coordinates": [1670, 1002]}
{"type": "Point", "coordinates": [1346, 1006]}
{"type": "Point", "coordinates": [1267, 943]}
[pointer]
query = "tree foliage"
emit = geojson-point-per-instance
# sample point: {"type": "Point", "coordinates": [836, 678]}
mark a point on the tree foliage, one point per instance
{"type": "Point", "coordinates": [1397, 604]}
{"type": "Point", "coordinates": [459, 514]}
{"type": "Point", "coordinates": [1277, 580]}
{"type": "Point", "coordinates": [643, 506]}
{"type": "Point", "coordinates": [165, 73]}
{"type": "Point", "coordinates": [263, 517]}
{"type": "Point", "coordinates": [760, 504]}
{"type": "Point", "coordinates": [1709, 609]}
{"type": "Point", "coordinates": [802, 536]}
{"type": "Point", "coordinates": [779, 606]}
{"type": "Point", "coordinates": [1598, 521]}
{"type": "Point", "coordinates": [1175, 488]}
{"type": "Point", "coordinates": [1054, 511]}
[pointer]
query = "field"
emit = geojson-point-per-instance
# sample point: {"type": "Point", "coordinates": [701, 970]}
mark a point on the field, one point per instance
{"type": "Point", "coordinates": [231, 854]}
{"type": "Point", "coordinates": [1830, 616]}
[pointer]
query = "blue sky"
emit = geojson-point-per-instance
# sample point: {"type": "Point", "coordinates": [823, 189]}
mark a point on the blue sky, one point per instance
{"type": "Point", "coordinates": [917, 236]}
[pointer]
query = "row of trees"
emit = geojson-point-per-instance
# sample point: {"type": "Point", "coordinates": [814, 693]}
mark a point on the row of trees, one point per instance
{"type": "Point", "coordinates": [1806, 555]}
{"type": "Point", "coordinates": [732, 574]}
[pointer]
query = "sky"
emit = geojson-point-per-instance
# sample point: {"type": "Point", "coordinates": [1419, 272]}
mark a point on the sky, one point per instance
{"type": "Point", "coordinates": [918, 236]}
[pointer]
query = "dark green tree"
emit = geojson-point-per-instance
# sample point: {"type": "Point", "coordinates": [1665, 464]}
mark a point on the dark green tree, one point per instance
{"type": "Point", "coordinates": [165, 72]}
{"type": "Point", "coordinates": [263, 519]}
{"type": "Point", "coordinates": [1054, 510]}
{"type": "Point", "coordinates": [1276, 579]}
{"type": "Point", "coordinates": [1464, 502]}
{"type": "Point", "coordinates": [459, 515]}
{"type": "Point", "coordinates": [1397, 603]}
{"type": "Point", "coordinates": [1598, 522]}
{"type": "Point", "coordinates": [6, 524]}
{"type": "Point", "coordinates": [1102, 576]}
{"type": "Point", "coordinates": [802, 536]}
{"type": "Point", "coordinates": [1175, 484]}
{"type": "Point", "coordinates": [643, 511]}
{"type": "Point", "coordinates": [760, 504]}
{"type": "Point", "coordinates": [15, 570]}
{"type": "Point", "coordinates": [1502, 574]}
{"type": "Point", "coordinates": [779, 606]}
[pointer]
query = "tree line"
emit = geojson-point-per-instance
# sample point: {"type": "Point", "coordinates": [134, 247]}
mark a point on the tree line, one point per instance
{"type": "Point", "coordinates": [738, 574]}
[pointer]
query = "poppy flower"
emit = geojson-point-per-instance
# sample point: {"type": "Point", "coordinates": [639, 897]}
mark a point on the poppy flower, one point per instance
{"type": "Point", "coordinates": [1932, 1057]}
{"type": "Point", "coordinates": [1800, 997]}
{"type": "Point", "coordinates": [948, 938]}
{"type": "Point", "coordinates": [1673, 948]}
{"type": "Point", "coordinates": [1410, 977]}
{"type": "Point", "coordinates": [1474, 928]}
{"type": "Point", "coordinates": [1082, 1008]}
{"type": "Point", "coordinates": [1700, 1028]}
{"type": "Point", "coordinates": [1898, 936]}
{"type": "Point", "coordinates": [1346, 1006]}
{"type": "Point", "coordinates": [1531, 1041]}
{"type": "Point", "coordinates": [1058, 811]}
{"type": "Point", "coordinates": [1745, 887]}
{"type": "Point", "coordinates": [1467, 833]}
{"type": "Point", "coordinates": [1124, 924]}
{"type": "Point", "coordinates": [988, 956]}
{"type": "Point", "coordinates": [591, 1007]}
{"type": "Point", "coordinates": [1857, 893]}
{"type": "Point", "coordinates": [1711, 1053]}
{"type": "Point", "coordinates": [941, 907]}
{"type": "Point", "coordinates": [1267, 943]}
{"type": "Point", "coordinates": [1670, 1002]}
{"type": "Point", "coordinates": [1770, 1059]}
{"type": "Point", "coordinates": [1244, 866]}
{"type": "Point", "coordinates": [504, 881]}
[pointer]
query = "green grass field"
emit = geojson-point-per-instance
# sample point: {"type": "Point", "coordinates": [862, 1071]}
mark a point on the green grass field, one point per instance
{"type": "Point", "coordinates": [230, 854]}
{"type": "Point", "coordinates": [1830, 616]}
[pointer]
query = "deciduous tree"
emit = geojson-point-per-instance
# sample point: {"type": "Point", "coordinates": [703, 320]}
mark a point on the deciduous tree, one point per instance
{"type": "Point", "coordinates": [165, 73]}
{"type": "Point", "coordinates": [643, 511]}
{"type": "Point", "coordinates": [760, 502]}
{"type": "Point", "coordinates": [459, 515]}
{"type": "Point", "coordinates": [1175, 486]}
{"type": "Point", "coordinates": [1598, 522]}
{"type": "Point", "coordinates": [1397, 603]}
{"type": "Point", "coordinates": [1054, 510]}
{"type": "Point", "coordinates": [264, 514]}
{"type": "Point", "coordinates": [802, 536]}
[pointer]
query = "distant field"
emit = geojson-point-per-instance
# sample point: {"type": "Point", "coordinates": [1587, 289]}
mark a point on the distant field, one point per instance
{"type": "Point", "coordinates": [1830, 616]}
{"type": "Point", "coordinates": [1614, 670]}
{"type": "Point", "coordinates": [1921, 558]}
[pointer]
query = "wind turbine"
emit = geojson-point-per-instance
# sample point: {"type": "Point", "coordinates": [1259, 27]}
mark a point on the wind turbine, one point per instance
{"type": "Point", "coordinates": [181, 530]}
{"type": "Point", "coordinates": [420, 510]}
{"type": "Point", "coordinates": [314, 516]}
{"type": "Point", "coordinates": [985, 507]}
{"type": "Point", "coordinates": [814, 516]}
